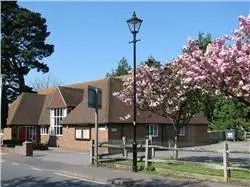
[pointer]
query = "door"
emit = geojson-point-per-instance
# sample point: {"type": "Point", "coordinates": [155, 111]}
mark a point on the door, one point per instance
{"type": "Point", "coordinates": [22, 134]}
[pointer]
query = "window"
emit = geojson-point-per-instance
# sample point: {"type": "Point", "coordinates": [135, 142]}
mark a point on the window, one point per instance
{"type": "Point", "coordinates": [153, 130]}
{"type": "Point", "coordinates": [182, 131]}
{"type": "Point", "coordinates": [44, 130]}
{"type": "Point", "coordinates": [30, 133]}
{"type": "Point", "coordinates": [82, 133]}
{"type": "Point", "coordinates": [56, 115]}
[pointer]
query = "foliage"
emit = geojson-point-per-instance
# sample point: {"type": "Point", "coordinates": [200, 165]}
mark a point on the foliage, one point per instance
{"type": "Point", "coordinates": [230, 114]}
{"type": "Point", "coordinates": [208, 99]}
{"type": "Point", "coordinates": [122, 69]}
{"type": "Point", "coordinates": [201, 43]}
{"type": "Point", "coordinates": [11, 143]}
{"type": "Point", "coordinates": [152, 62]}
{"type": "Point", "coordinates": [23, 46]}
{"type": "Point", "coordinates": [223, 66]}
{"type": "Point", "coordinates": [40, 146]}
{"type": "Point", "coordinates": [162, 90]}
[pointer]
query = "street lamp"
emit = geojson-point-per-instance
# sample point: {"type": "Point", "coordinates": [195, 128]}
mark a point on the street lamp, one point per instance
{"type": "Point", "coordinates": [134, 25]}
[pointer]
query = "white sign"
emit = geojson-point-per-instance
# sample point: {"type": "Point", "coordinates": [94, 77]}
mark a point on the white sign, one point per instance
{"type": "Point", "coordinates": [78, 133]}
{"type": "Point", "coordinates": [86, 133]}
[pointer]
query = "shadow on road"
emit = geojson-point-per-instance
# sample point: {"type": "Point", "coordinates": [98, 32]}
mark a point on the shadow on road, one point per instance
{"type": "Point", "coordinates": [30, 181]}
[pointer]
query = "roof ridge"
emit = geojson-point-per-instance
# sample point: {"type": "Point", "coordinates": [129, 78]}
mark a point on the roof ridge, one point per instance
{"type": "Point", "coordinates": [86, 82]}
{"type": "Point", "coordinates": [70, 88]}
{"type": "Point", "coordinates": [36, 94]}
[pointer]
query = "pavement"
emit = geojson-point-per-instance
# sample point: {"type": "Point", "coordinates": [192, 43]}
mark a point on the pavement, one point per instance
{"type": "Point", "coordinates": [71, 164]}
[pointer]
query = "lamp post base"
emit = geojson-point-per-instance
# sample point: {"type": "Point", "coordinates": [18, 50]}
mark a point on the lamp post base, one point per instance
{"type": "Point", "coordinates": [134, 156]}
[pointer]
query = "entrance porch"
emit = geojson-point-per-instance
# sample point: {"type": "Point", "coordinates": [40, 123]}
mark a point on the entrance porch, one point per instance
{"type": "Point", "coordinates": [23, 133]}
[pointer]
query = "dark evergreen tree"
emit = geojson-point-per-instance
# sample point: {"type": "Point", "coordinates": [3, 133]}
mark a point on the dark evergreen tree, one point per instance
{"type": "Point", "coordinates": [23, 47]}
{"type": "Point", "coordinates": [122, 69]}
{"type": "Point", "coordinates": [151, 61]}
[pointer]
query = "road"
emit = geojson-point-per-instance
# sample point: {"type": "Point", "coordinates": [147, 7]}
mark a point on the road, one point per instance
{"type": "Point", "coordinates": [19, 174]}
{"type": "Point", "coordinates": [19, 170]}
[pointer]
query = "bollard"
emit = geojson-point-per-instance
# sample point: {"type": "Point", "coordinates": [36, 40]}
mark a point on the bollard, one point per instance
{"type": "Point", "coordinates": [28, 148]}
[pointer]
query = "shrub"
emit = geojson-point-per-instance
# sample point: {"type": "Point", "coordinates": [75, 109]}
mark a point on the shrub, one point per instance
{"type": "Point", "coordinates": [40, 146]}
{"type": "Point", "coordinates": [11, 143]}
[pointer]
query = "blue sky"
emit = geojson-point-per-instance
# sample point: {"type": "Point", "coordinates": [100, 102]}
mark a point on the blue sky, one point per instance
{"type": "Point", "coordinates": [91, 37]}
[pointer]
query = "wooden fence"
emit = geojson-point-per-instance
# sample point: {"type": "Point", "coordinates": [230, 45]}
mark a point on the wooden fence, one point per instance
{"type": "Point", "coordinates": [149, 153]}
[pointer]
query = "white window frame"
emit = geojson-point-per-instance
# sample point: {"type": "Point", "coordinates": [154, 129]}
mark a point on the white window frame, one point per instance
{"type": "Point", "coordinates": [83, 133]}
{"type": "Point", "coordinates": [44, 130]}
{"type": "Point", "coordinates": [153, 130]}
{"type": "Point", "coordinates": [182, 131]}
{"type": "Point", "coordinates": [56, 115]}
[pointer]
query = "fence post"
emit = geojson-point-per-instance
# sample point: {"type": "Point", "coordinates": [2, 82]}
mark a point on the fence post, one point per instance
{"type": "Point", "coordinates": [225, 162]}
{"type": "Point", "coordinates": [175, 149]}
{"type": "Point", "coordinates": [150, 138]}
{"type": "Point", "coordinates": [146, 154]}
{"type": "Point", "coordinates": [92, 151]}
{"type": "Point", "coordinates": [125, 152]}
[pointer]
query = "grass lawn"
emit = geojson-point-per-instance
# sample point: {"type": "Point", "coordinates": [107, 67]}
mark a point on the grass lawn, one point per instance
{"type": "Point", "coordinates": [199, 169]}
{"type": "Point", "coordinates": [190, 168]}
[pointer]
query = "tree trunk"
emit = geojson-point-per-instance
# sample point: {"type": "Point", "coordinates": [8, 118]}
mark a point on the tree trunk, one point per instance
{"type": "Point", "coordinates": [21, 84]}
{"type": "Point", "coordinates": [4, 111]}
{"type": "Point", "coordinates": [176, 140]}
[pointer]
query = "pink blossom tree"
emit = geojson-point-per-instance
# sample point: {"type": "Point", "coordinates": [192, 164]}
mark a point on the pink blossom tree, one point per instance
{"type": "Point", "coordinates": [223, 66]}
{"type": "Point", "coordinates": [163, 90]}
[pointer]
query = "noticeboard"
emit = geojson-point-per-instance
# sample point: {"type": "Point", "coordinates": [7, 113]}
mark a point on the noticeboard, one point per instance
{"type": "Point", "coordinates": [94, 96]}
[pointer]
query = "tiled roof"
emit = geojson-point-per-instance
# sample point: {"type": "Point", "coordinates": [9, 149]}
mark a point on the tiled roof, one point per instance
{"type": "Point", "coordinates": [45, 114]}
{"type": "Point", "coordinates": [72, 96]}
{"type": "Point", "coordinates": [84, 115]}
{"type": "Point", "coordinates": [34, 108]}
{"type": "Point", "coordinates": [26, 109]}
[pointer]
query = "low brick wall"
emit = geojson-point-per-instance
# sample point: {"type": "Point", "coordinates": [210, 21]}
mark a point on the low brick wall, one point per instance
{"type": "Point", "coordinates": [44, 138]}
{"type": "Point", "coordinates": [7, 133]}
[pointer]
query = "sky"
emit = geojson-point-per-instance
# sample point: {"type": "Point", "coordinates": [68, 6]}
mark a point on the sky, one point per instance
{"type": "Point", "coordinates": [91, 37]}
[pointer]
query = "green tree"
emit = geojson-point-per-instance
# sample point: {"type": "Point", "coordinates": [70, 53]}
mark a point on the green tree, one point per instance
{"type": "Point", "coordinates": [229, 114]}
{"type": "Point", "coordinates": [202, 42]}
{"type": "Point", "coordinates": [122, 69]}
{"type": "Point", "coordinates": [23, 36]}
{"type": "Point", "coordinates": [152, 62]}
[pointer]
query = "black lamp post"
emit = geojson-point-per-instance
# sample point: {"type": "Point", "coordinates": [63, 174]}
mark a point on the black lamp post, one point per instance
{"type": "Point", "coordinates": [134, 25]}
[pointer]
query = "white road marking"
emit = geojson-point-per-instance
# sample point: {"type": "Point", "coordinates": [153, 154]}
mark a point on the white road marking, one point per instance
{"type": "Point", "coordinates": [15, 164]}
{"type": "Point", "coordinates": [38, 169]}
{"type": "Point", "coordinates": [74, 177]}
{"type": "Point", "coordinates": [3, 153]}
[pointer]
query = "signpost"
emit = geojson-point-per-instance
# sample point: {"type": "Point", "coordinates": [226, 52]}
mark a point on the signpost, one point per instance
{"type": "Point", "coordinates": [95, 101]}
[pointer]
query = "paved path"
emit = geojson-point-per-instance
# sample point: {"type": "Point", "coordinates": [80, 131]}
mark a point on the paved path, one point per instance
{"type": "Point", "coordinates": [68, 157]}
{"type": "Point", "coordinates": [84, 173]}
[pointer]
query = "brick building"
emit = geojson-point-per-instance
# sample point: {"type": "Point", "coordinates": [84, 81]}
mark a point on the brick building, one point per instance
{"type": "Point", "coordinates": [61, 117]}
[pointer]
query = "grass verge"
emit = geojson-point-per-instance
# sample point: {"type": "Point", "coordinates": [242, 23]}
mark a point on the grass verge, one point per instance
{"type": "Point", "coordinates": [174, 168]}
